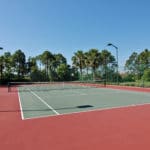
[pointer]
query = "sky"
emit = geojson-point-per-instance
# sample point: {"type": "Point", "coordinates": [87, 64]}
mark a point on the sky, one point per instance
{"type": "Point", "coordinates": [66, 26]}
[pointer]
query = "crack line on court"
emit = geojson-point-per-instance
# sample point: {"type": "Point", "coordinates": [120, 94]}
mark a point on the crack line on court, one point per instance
{"type": "Point", "coordinates": [50, 107]}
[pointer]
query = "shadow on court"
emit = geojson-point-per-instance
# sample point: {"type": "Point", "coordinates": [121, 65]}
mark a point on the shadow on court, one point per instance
{"type": "Point", "coordinates": [48, 109]}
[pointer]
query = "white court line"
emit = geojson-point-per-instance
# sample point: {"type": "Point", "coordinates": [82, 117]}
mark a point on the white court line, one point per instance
{"type": "Point", "coordinates": [93, 110]}
{"type": "Point", "coordinates": [50, 107]}
{"type": "Point", "coordinates": [21, 110]}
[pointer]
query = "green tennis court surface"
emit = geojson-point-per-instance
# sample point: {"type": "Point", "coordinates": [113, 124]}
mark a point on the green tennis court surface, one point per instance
{"type": "Point", "coordinates": [37, 103]}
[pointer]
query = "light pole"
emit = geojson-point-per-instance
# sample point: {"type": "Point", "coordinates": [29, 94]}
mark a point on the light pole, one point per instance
{"type": "Point", "coordinates": [110, 44]}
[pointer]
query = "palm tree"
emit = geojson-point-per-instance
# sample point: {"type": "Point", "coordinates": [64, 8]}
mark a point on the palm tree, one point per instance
{"type": "Point", "coordinates": [19, 63]}
{"type": "Point", "coordinates": [79, 61]}
{"type": "Point", "coordinates": [47, 59]}
{"type": "Point", "coordinates": [8, 64]}
{"type": "Point", "coordinates": [87, 62]}
{"type": "Point", "coordinates": [107, 58]}
{"type": "Point", "coordinates": [31, 64]}
{"type": "Point", "coordinates": [58, 60]}
{"type": "Point", "coordinates": [94, 60]}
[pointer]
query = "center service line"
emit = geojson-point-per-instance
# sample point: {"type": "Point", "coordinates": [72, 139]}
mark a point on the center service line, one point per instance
{"type": "Point", "coordinates": [50, 107]}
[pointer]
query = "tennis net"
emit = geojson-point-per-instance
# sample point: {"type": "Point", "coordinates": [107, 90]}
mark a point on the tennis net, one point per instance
{"type": "Point", "coordinates": [47, 86]}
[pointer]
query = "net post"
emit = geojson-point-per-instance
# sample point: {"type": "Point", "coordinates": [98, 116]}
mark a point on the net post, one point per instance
{"type": "Point", "coordinates": [8, 87]}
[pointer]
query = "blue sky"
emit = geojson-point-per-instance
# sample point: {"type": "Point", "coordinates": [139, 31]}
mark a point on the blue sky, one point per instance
{"type": "Point", "coordinates": [65, 26]}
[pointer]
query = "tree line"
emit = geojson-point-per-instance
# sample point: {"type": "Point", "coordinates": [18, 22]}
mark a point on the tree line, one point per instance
{"type": "Point", "coordinates": [138, 66]}
{"type": "Point", "coordinates": [90, 65]}
{"type": "Point", "coordinates": [44, 67]}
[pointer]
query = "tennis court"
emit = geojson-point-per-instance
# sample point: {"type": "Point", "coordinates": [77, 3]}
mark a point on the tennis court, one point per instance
{"type": "Point", "coordinates": [40, 100]}
{"type": "Point", "coordinates": [74, 116]}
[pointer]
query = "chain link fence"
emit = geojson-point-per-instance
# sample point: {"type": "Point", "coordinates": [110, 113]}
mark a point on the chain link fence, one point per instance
{"type": "Point", "coordinates": [140, 76]}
